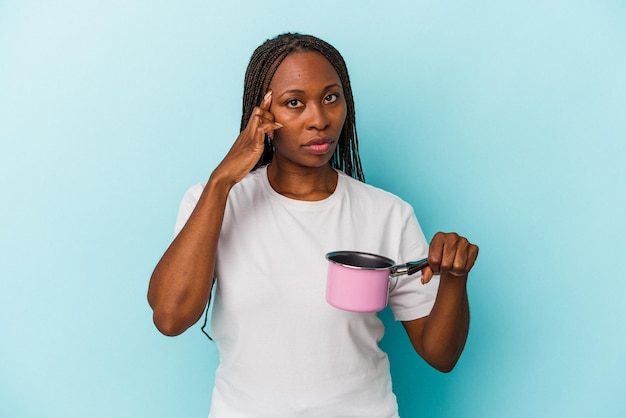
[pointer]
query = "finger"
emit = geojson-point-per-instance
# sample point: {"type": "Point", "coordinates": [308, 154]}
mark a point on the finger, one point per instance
{"type": "Point", "coordinates": [263, 117]}
{"type": "Point", "coordinates": [276, 126]}
{"type": "Point", "coordinates": [267, 101]}
{"type": "Point", "coordinates": [267, 117]}
{"type": "Point", "coordinates": [471, 257]}
{"type": "Point", "coordinates": [262, 122]}
{"type": "Point", "coordinates": [256, 120]}
{"type": "Point", "coordinates": [427, 274]}
{"type": "Point", "coordinates": [459, 255]}
{"type": "Point", "coordinates": [262, 111]}
{"type": "Point", "coordinates": [435, 253]}
{"type": "Point", "coordinates": [269, 128]}
{"type": "Point", "coordinates": [450, 245]}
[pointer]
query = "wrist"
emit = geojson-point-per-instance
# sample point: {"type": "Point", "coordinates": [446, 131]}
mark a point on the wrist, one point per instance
{"type": "Point", "coordinates": [451, 283]}
{"type": "Point", "coordinates": [220, 180]}
{"type": "Point", "coordinates": [217, 188]}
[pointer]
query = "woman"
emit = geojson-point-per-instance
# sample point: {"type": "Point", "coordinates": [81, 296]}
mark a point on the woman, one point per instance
{"type": "Point", "coordinates": [289, 191]}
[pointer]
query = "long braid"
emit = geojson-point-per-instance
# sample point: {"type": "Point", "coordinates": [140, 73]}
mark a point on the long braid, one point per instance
{"type": "Point", "coordinates": [263, 64]}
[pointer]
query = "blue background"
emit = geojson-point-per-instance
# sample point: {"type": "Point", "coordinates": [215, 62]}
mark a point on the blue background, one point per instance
{"type": "Point", "coordinates": [505, 121]}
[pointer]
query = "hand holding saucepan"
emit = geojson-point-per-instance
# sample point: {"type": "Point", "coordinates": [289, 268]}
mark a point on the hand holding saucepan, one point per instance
{"type": "Point", "coordinates": [359, 281]}
{"type": "Point", "coordinates": [249, 145]}
{"type": "Point", "coordinates": [451, 256]}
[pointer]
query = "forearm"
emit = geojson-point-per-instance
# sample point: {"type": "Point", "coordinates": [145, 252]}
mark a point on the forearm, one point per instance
{"type": "Point", "coordinates": [440, 337]}
{"type": "Point", "coordinates": [181, 282]}
{"type": "Point", "coordinates": [447, 326]}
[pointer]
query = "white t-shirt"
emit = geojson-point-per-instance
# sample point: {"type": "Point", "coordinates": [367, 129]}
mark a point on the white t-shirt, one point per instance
{"type": "Point", "coordinates": [284, 351]}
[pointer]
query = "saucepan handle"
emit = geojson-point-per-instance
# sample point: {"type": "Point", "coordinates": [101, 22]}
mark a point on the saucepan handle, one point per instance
{"type": "Point", "coordinates": [409, 268]}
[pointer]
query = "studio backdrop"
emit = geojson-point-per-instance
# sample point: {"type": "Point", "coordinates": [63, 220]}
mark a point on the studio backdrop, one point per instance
{"type": "Point", "coordinates": [504, 121]}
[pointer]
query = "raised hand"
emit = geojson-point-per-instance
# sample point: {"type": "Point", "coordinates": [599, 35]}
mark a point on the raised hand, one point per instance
{"type": "Point", "coordinates": [249, 145]}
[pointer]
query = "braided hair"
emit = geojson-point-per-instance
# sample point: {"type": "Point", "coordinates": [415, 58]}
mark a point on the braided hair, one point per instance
{"type": "Point", "coordinates": [263, 64]}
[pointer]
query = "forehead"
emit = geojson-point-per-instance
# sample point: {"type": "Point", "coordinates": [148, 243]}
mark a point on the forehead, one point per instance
{"type": "Point", "coordinates": [304, 69]}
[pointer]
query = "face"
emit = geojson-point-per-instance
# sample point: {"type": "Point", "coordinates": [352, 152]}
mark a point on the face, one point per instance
{"type": "Point", "coordinates": [308, 100]}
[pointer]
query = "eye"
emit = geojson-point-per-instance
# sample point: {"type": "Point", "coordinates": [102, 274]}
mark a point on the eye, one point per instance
{"type": "Point", "coordinates": [293, 103]}
{"type": "Point", "coordinates": [331, 98]}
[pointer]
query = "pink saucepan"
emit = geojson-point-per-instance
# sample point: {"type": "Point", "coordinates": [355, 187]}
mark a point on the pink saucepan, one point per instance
{"type": "Point", "coordinates": [359, 282]}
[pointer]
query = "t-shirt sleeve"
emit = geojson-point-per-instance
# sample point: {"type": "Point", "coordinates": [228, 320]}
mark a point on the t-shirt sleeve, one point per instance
{"type": "Point", "coordinates": [408, 298]}
{"type": "Point", "coordinates": [188, 204]}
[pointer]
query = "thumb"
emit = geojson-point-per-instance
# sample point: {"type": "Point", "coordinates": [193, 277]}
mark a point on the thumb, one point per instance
{"type": "Point", "coordinates": [427, 274]}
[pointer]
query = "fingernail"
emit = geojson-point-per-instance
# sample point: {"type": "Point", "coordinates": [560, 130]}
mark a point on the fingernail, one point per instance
{"type": "Point", "coordinates": [267, 95]}
{"type": "Point", "coordinates": [280, 125]}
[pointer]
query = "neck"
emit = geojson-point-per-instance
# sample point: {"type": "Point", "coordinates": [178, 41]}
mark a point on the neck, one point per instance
{"type": "Point", "coordinates": [302, 183]}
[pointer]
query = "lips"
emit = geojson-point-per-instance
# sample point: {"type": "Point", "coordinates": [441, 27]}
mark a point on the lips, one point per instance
{"type": "Point", "coordinates": [319, 145]}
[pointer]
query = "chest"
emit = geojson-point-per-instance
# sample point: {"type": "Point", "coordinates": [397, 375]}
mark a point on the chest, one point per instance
{"type": "Point", "coordinates": [270, 253]}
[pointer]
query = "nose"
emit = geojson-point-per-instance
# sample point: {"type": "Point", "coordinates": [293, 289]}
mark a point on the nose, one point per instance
{"type": "Point", "coordinates": [317, 117]}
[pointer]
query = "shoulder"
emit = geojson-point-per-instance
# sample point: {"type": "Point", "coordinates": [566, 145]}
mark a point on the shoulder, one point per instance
{"type": "Point", "coordinates": [369, 194]}
{"type": "Point", "coordinates": [192, 195]}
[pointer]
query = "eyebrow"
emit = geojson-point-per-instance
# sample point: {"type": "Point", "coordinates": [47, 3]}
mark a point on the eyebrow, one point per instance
{"type": "Point", "coordinates": [298, 91]}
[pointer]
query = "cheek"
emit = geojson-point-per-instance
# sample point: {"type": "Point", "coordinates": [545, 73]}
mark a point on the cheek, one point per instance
{"type": "Point", "coordinates": [290, 128]}
{"type": "Point", "coordinates": [343, 113]}
{"type": "Point", "coordinates": [341, 119]}
{"type": "Point", "coordinates": [283, 133]}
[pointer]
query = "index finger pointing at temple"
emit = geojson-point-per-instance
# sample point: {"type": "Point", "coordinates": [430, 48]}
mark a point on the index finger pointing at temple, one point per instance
{"type": "Point", "coordinates": [267, 101]}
